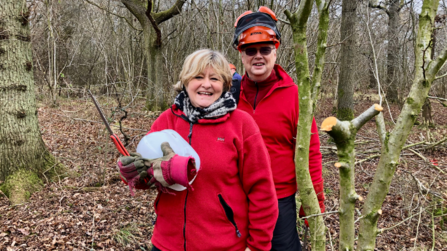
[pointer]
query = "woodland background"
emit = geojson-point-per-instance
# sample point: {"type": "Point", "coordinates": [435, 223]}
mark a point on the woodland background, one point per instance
{"type": "Point", "coordinates": [100, 45]}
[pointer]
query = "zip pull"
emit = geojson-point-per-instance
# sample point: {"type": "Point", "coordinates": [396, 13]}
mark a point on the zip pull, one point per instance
{"type": "Point", "coordinates": [238, 233]}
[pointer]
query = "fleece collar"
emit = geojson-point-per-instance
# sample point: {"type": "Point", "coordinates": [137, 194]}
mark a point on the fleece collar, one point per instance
{"type": "Point", "coordinates": [278, 78]}
{"type": "Point", "coordinates": [179, 113]}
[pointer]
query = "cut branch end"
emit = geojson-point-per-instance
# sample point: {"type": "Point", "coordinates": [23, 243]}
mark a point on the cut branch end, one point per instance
{"type": "Point", "coordinates": [378, 107]}
{"type": "Point", "coordinates": [328, 123]}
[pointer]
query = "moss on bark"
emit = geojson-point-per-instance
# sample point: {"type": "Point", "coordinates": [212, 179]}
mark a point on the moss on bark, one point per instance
{"type": "Point", "coordinates": [345, 114]}
{"type": "Point", "coordinates": [20, 185]}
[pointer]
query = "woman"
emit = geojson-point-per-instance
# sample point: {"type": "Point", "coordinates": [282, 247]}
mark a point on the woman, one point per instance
{"type": "Point", "coordinates": [233, 205]}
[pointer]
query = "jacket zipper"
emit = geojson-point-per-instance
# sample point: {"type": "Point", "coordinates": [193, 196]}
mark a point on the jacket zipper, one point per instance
{"type": "Point", "coordinates": [187, 192]}
{"type": "Point", "coordinates": [256, 96]}
{"type": "Point", "coordinates": [229, 213]}
{"type": "Point", "coordinates": [184, 224]}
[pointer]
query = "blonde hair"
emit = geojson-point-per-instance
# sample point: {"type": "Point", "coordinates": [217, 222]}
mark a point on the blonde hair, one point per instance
{"type": "Point", "coordinates": [196, 63]}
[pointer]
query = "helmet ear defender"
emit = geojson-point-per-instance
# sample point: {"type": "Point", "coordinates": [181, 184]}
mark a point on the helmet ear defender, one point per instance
{"type": "Point", "coordinates": [268, 11]}
{"type": "Point", "coordinates": [256, 27]}
{"type": "Point", "coordinates": [243, 14]}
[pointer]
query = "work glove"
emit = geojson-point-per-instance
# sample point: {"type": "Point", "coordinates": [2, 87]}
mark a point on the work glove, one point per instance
{"type": "Point", "coordinates": [141, 173]}
{"type": "Point", "coordinates": [172, 169]}
{"type": "Point", "coordinates": [133, 172]}
{"type": "Point", "coordinates": [319, 190]}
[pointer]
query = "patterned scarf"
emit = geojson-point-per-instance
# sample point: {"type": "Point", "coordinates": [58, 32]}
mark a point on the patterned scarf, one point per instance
{"type": "Point", "coordinates": [223, 105]}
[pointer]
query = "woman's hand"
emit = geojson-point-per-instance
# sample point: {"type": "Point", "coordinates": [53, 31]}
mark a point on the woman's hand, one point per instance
{"type": "Point", "coordinates": [247, 249]}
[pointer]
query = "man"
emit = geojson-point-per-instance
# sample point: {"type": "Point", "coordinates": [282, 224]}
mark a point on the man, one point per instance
{"type": "Point", "coordinates": [235, 88]}
{"type": "Point", "coordinates": [270, 96]}
{"type": "Point", "coordinates": [234, 72]}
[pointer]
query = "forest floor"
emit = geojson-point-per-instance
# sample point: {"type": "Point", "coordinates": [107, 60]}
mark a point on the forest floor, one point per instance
{"type": "Point", "coordinates": [89, 208]}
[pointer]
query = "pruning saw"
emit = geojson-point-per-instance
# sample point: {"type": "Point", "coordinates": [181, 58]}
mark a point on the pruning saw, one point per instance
{"type": "Point", "coordinates": [113, 136]}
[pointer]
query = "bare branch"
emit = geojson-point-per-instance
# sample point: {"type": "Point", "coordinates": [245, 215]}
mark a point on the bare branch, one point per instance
{"type": "Point", "coordinates": [381, 129]}
{"type": "Point", "coordinates": [366, 116]}
{"type": "Point", "coordinates": [162, 16]}
{"type": "Point", "coordinates": [374, 4]}
{"type": "Point", "coordinates": [104, 9]}
{"type": "Point", "coordinates": [439, 77]}
{"type": "Point", "coordinates": [154, 23]}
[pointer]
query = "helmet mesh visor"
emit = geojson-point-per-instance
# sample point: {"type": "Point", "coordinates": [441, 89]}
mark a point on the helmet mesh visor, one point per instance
{"type": "Point", "coordinates": [252, 20]}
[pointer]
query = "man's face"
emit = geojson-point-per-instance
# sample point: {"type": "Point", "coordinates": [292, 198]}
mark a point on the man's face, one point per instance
{"type": "Point", "coordinates": [259, 66]}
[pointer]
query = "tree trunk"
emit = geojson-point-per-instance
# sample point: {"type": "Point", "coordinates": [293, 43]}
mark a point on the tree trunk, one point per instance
{"type": "Point", "coordinates": [150, 21]}
{"type": "Point", "coordinates": [426, 113]}
{"type": "Point", "coordinates": [343, 133]}
{"type": "Point", "coordinates": [308, 93]}
{"type": "Point", "coordinates": [372, 78]}
{"type": "Point", "coordinates": [425, 72]}
{"type": "Point", "coordinates": [22, 152]}
{"type": "Point", "coordinates": [392, 62]}
{"type": "Point", "coordinates": [345, 101]}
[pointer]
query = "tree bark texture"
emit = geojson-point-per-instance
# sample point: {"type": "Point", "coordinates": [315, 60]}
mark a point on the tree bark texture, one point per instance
{"type": "Point", "coordinates": [323, 26]}
{"type": "Point", "coordinates": [308, 92]}
{"type": "Point", "coordinates": [345, 100]}
{"type": "Point", "coordinates": [393, 51]}
{"type": "Point", "coordinates": [343, 133]}
{"type": "Point", "coordinates": [425, 72]}
{"type": "Point", "coordinates": [21, 147]}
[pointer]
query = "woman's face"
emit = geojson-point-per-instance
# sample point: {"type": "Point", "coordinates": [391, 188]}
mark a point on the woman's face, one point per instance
{"type": "Point", "coordinates": [205, 88]}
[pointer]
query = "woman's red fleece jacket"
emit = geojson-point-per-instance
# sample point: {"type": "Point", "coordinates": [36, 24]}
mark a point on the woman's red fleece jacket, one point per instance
{"type": "Point", "coordinates": [234, 204]}
{"type": "Point", "coordinates": [273, 103]}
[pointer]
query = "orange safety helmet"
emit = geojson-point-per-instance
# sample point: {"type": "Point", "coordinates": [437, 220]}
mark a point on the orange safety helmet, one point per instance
{"type": "Point", "coordinates": [256, 27]}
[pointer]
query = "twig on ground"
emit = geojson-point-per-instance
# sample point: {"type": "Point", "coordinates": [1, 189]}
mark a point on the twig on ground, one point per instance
{"type": "Point", "coordinates": [60, 201]}
{"type": "Point", "coordinates": [436, 143]}
{"type": "Point", "coordinates": [414, 144]}
{"type": "Point", "coordinates": [433, 231]}
{"type": "Point", "coordinates": [417, 228]}
{"type": "Point", "coordinates": [330, 240]}
{"type": "Point", "coordinates": [408, 218]}
{"type": "Point", "coordinates": [426, 160]}
{"type": "Point", "coordinates": [378, 155]}
{"type": "Point", "coordinates": [368, 158]}
{"type": "Point", "coordinates": [422, 189]}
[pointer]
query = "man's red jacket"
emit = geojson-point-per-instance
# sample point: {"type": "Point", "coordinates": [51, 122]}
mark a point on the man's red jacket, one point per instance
{"type": "Point", "coordinates": [273, 103]}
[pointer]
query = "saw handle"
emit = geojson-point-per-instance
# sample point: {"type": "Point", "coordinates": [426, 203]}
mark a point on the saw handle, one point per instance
{"type": "Point", "coordinates": [119, 145]}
